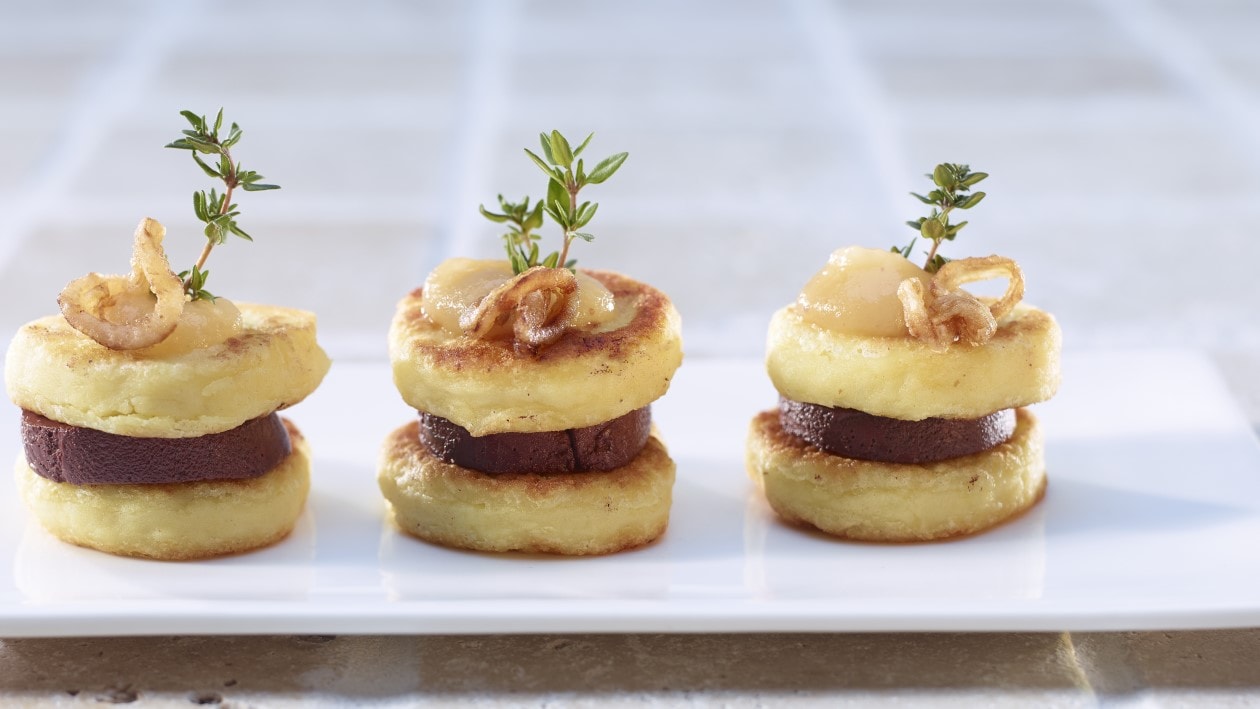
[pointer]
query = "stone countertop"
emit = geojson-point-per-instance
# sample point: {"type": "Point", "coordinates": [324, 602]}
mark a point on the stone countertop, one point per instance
{"type": "Point", "coordinates": [1208, 668]}
{"type": "Point", "coordinates": [1120, 136]}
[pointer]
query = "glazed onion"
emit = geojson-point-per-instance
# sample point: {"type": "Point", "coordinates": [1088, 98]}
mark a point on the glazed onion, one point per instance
{"type": "Point", "coordinates": [536, 305]}
{"type": "Point", "coordinates": [133, 311]}
{"type": "Point", "coordinates": [943, 313]}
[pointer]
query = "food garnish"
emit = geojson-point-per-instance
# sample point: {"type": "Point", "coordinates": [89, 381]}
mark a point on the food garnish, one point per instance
{"type": "Point", "coordinates": [942, 312]}
{"type": "Point", "coordinates": [537, 304]}
{"type": "Point", "coordinates": [953, 182]}
{"type": "Point", "coordinates": [120, 312]}
{"type": "Point", "coordinates": [215, 210]}
{"type": "Point", "coordinates": [141, 309]}
{"type": "Point", "coordinates": [565, 179]}
{"type": "Point", "coordinates": [543, 295]}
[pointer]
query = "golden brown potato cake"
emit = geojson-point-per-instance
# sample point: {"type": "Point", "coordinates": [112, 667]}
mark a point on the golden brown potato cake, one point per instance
{"type": "Point", "coordinates": [57, 372]}
{"type": "Point", "coordinates": [584, 378]}
{"type": "Point", "coordinates": [176, 521]}
{"type": "Point", "coordinates": [891, 502]}
{"type": "Point", "coordinates": [902, 378]}
{"type": "Point", "coordinates": [562, 513]}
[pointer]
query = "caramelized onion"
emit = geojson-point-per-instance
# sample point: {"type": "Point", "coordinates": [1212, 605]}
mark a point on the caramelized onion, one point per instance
{"type": "Point", "coordinates": [944, 313]}
{"type": "Point", "coordinates": [536, 305]}
{"type": "Point", "coordinates": [133, 311]}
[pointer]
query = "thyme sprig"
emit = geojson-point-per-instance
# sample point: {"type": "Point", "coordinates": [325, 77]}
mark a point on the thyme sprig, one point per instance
{"type": "Point", "coordinates": [215, 210]}
{"type": "Point", "coordinates": [566, 176]}
{"type": "Point", "coordinates": [953, 183]}
{"type": "Point", "coordinates": [520, 241]}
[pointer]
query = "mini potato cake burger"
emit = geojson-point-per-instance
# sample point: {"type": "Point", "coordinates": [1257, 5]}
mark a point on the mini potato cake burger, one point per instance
{"type": "Point", "coordinates": [533, 382]}
{"type": "Point", "coordinates": [902, 396]}
{"type": "Point", "coordinates": [149, 423]}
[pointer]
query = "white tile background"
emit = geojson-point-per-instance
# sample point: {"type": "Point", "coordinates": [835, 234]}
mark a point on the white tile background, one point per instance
{"type": "Point", "coordinates": [1123, 138]}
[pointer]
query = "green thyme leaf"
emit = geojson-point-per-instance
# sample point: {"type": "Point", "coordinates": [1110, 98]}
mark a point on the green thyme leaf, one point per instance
{"type": "Point", "coordinates": [606, 168]}
{"type": "Point", "coordinates": [202, 145]}
{"type": "Point", "coordinates": [519, 264]}
{"type": "Point", "coordinates": [906, 250]}
{"type": "Point", "coordinates": [932, 229]}
{"type": "Point", "coordinates": [496, 218]}
{"type": "Point", "coordinates": [554, 214]}
{"type": "Point", "coordinates": [560, 150]}
{"type": "Point", "coordinates": [196, 279]}
{"type": "Point", "coordinates": [943, 177]}
{"type": "Point", "coordinates": [535, 218]}
{"type": "Point", "coordinates": [214, 233]}
{"type": "Point", "coordinates": [540, 163]}
{"type": "Point", "coordinates": [585, 213]}
{"type": "Point", "coordinates": [198, 123]}
{"type": "Point", "coordinates": [234, 136]}
{"type": "Point", "coordinates": [953, 184]}
{"type": "Point", "coordinates": [211, 172]}
{"type": "Point", "coordinates": [545, 140]}
{"type": "Point", "coordinates": [557, 197]}
{"type": "Point", "coordinates": [518, 240]}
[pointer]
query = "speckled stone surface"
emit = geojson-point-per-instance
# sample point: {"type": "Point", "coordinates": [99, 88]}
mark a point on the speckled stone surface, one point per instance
{"type": "Point", "coordinates": [1122, 137]}
{"type": "Point", "coordinates": [1147, 669]}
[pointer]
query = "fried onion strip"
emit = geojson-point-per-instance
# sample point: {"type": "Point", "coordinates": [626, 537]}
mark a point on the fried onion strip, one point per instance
{"type": "Point", "coordinates": [537, 304]}
{"type": "Point", "coordinates": [944, 313]}
{"type": "Point", "coordinates": [121, 312]}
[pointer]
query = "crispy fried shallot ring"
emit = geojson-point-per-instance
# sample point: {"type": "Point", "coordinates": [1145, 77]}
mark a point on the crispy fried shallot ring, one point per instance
{"type": "Point", "coordinates": [538, 304]}
{"type": "Point", "coordinates": [119, 311]}
{"type": "Point", "coordinates": [945, 313]}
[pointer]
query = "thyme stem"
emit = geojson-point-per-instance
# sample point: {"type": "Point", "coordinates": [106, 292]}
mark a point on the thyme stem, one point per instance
{"type": "Point", "coordinates": [230, 181]}
{"type": "Point", "coordinates": [569, 234]}
{"type": "Point", "coordinates": [218, 213]}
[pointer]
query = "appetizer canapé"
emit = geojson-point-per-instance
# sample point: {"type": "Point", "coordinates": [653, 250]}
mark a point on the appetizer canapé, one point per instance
{"type": "Point", "coordinates": [533, 381]}
{"type": "Point", "coordinates": [901, 414]}
{"type": "Point", "coordinates": [149, 422]}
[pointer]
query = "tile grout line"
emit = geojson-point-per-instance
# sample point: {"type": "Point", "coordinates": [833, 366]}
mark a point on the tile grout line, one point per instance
{"type": "Point", "coordinates": [104, 94]}
{"type": "Point", "coordinates": [477, 122]}
{"type": "Point", "coordinates": [1184, 58]}
{"type": "Point", "coordinates": [851, 91]}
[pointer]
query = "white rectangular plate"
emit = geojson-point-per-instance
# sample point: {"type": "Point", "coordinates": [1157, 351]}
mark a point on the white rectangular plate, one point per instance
{"type": "Point", "coordinates": [1150, 522]}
